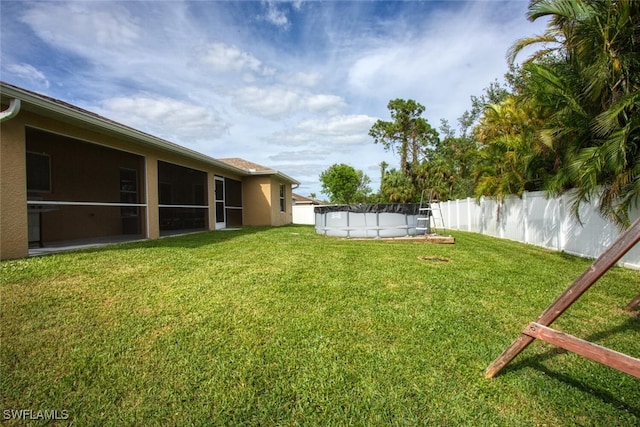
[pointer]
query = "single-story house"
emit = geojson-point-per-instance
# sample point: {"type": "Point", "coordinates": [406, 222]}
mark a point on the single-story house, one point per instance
{"type": "Point", "coordinates": [69, 176]}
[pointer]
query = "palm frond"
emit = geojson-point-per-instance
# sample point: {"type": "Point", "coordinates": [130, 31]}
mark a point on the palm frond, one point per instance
{"type": "Point", "coordinates": [560, 9]}
{"type": "Point", "coordinates": [609, 120]}
{"type": "Point", "coordinates": [525, 42]}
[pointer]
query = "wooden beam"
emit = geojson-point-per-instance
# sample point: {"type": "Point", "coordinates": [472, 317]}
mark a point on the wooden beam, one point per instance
{"type": "Point", "coordinates": [633, 304]}
{"type": "Point", "coordinates": [601, 265]}
{"type": "Point", "coordinates": [611, 358]}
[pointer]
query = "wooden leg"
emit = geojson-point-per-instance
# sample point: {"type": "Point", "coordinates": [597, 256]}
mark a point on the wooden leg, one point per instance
{"type": "Point", "coordinates": [633, 305]}
{"type": "Point", "coordinates": [601, 265]}
{"type": "Point", "coordinates": [508, 355]}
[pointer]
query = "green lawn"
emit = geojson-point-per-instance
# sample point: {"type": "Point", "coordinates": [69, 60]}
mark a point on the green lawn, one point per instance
{"type": "Point", "coordinates": [280, 326]}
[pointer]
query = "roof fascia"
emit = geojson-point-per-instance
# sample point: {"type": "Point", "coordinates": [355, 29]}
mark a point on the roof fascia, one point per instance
{"type": "Point", "coordinates": [274, 173]}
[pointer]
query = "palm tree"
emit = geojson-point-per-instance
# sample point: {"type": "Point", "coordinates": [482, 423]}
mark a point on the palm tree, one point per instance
{"type": "Point", "coordinates": [397, 188]}
{"type": "Point", "coordinates": [586, 79]}
{"type": "Point", "coordinates": [503, 134]}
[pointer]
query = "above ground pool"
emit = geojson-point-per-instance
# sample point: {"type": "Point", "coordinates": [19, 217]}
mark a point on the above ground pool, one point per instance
{"type": "Point", "coordinates": [372, 221]}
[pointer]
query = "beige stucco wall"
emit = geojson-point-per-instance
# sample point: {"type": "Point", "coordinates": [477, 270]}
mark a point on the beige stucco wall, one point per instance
{"type": "Point", "coordinates": [261, 200]}
{"type": "Point", "coordinates": [151, 172]}
{"type": "Point", "coordinates": [13, 191]}
{"type": "Point", "coordinates": [256, 192]}
{"type": "Point", "coordinates": [278, 217]}
{"type": "Point", "coordinates": [211, 197]}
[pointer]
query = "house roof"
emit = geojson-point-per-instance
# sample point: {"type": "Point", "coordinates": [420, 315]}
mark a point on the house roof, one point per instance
{"type": "Point", "coordinates": [246, 165]}
{"type": "Point", "coordinates": [60, 110]}
{"type": "Point", "coordinates": [251, 168]}
{"type": "Point", "coordinates": [305, 200]}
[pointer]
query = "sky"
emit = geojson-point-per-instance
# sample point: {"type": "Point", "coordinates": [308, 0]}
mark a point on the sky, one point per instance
{"type": "Point", "coordinates": [294, 86]}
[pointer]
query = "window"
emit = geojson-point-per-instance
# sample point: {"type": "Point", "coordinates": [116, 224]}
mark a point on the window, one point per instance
{"type": "Point", "coordinates": [38, 172]}
{"type": "Point", "coordinates": [283, 203]}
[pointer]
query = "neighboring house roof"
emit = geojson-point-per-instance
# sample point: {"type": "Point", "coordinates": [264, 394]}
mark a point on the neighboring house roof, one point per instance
{"type": "Point", "coordinates": [246, 165]}
{"type": "Point", "coordinates": [255, 169]}
{"type": "Point", "coordinates": [60, 110]}
{"type": "Point", "coordinates": [302, 200]}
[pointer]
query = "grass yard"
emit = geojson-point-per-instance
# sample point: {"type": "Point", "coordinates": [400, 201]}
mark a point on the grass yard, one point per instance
{"type": "Point", "coordinates": [280, 326]}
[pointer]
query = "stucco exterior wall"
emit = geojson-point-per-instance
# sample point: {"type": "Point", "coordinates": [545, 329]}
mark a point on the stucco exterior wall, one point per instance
{"type": "Point", "coordinates": [279, 217]}
{"type": "Point", "coordinates": [261, 199]}
{"type": "Point", "coordinates": [13, 191]}
{"type": "Point", "coordinates": [256, 201]}
{"type": "Point", "coordinates": [153, 215]}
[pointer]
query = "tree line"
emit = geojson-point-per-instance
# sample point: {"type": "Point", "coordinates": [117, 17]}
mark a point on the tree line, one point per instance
{"type": "Point", "coordinates": [567, 118]}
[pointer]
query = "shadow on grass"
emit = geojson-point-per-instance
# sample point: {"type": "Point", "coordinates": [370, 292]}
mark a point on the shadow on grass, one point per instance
{"type": "Point", "coordinates": [196, 240]}
{"type": "Point", "coordinates": [185, 241]}
{"type": "Point", "coordinates": [537, 362]}
{"type": "Point", "coordinates": [604, 395]}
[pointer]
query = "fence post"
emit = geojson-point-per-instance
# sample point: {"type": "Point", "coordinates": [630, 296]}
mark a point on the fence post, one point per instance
{"type": "Point", "coordinates": [562, 238]}
{"type": "Point", "coordinates": [525, 215]}
{"type": "Point", "coordinates": [482, 227]}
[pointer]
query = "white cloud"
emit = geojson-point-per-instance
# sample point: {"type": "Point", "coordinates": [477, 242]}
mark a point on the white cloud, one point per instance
{"type": "Point", "coordinates": [456, 55]}
{"type": "Point", "coordinates": [296, 156]}
{"type": "Point", "coordinates": [305, 79]}
{"type": "Point", "coordinates": [275, 16]}
{"type": "Point", "coordinates": [322, 102]}
{"type": "Point", "coordinates": [84, 27]}
{"type": "Point", "coordinates": [338, 132]}
{"type": "Point", "coordinates": [28, 72]}
{"type": "Point", "coordinates": [339, 125]}
{"type": "Point", "coordinates": [278, 102]}
{"type": "Point", "coordinates": [166, 116]}
{"type": "Point", "coordinates": [226, 58]}
{"type": "Point", "coordinates": [270, 102]}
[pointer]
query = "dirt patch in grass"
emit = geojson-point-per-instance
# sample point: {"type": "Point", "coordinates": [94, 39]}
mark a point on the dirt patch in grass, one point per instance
{"type": "Point", "coordinates": [433, 258]}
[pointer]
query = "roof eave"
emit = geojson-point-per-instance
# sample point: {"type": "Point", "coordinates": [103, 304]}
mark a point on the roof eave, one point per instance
{"type": "Point", "coordinates": [276, 173]}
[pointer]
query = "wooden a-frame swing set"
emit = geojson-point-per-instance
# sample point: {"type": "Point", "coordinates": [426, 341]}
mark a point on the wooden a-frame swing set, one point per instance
{"type": "Point", "coordinates": [540, 328]}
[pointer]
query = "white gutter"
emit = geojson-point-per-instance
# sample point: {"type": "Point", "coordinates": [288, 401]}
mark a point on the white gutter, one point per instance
{"type": "Point", "coordinates": [12, 111]}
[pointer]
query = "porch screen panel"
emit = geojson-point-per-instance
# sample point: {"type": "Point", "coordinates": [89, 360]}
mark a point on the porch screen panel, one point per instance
{"type": "Point", "coordinates": [76, 190]}
{"type": "Point", "coordinates": [233, 202]}
{"type": "Point", "coordinates": [183, 205]}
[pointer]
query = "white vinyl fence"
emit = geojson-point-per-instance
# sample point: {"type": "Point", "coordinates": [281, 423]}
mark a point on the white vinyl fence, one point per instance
{"type": "Point", "coordinates": [539, 221]}
{"type": "Point", "coordinates": [303, 214]}
{"type": "Point", "coordinates": [532, 219]}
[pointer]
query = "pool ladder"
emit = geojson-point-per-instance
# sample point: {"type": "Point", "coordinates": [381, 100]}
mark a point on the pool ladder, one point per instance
{"type": "Point", "coordinates": [428, 211]}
